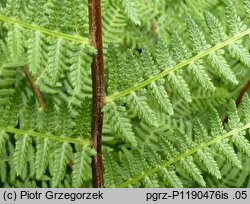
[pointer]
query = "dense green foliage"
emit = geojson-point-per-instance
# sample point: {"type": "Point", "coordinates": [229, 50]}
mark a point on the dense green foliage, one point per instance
{"type": "Point", "coordinates": [173, 70]}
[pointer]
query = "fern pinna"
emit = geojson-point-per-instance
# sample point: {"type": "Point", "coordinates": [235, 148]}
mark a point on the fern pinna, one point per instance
{"type": "Point", "coordinates": [159, 94]}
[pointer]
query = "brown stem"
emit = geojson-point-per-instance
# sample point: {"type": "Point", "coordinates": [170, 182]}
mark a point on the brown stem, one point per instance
{"type": "Point", "coordinates": [71, 165]}
{"type": "Point", "coordinates": [35, 88]}
{"type": "Point", "coordinates": [239, 99]}
{"type": "Point", "coordinates": [243, 91]}
{"type": "Point", "coordinates": [95, 28]}
{"type": "Point", "coordinates": [153, 27]}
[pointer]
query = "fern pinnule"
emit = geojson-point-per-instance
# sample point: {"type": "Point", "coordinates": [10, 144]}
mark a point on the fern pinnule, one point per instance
{"type": "Point", "coordinates": [43, 147]}
{"type": "Point", "coordinates": [112, 169]}
{"type": "Point", "coordinates": [80, 61]}
{"type": "Point", "coordinates": [235, 24]}
{"type": "Point", "coordinates": [205, 157]}
{"type": "Point", "coordinates": [160, 95]}
{"type": "Point", "coordinates": [117, 117]}
{"type": "Point", "coordinates": [244, 107]}
{"type": "Point", "coordinates": [171, 178]}
{"type": "Point", "coordinates": [144, 112]}
{"type": "Point", "coordinates": [225, 149]}
{"type": "Point", "coordinates": [3, 139]}
{"type": "Point", "coordinates": [77, 13]}
{"type": "Point", "coordinates": [23, 143]}
{"type": "Point", "coordinates": [62, 157]}
{"type": "Point", "coordinates": [36, 53]}
{"type": "Point", "coordinates": [238, 139]}
{"type": "Point", "coordinates": [82, 166]}
{"type": "Point", "coordinates": [114, 24]}
{"type": "Point", "coordinates": [130, 9]}
{"type": "Point", "coordinates": [15, 43]}
{"type": "Point", "coordinates": [218, 34]}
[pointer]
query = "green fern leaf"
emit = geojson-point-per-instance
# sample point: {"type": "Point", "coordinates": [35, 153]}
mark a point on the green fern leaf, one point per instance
{"type": "Point", "coordinates": [163, 57]}
{"type": "Point", "coordinates": [172, 178]}
{"type": "Point", "coordinates": [145, 113]}
{"type": "Point", "coordinates": [220, 64]}
{"type": "Point", "coordinates": [210, 164]}
{"type": "Point", "coordinates": [234, 22]}
{"type": "Point", "coordinates": [15, 43]}
{"type": "Point", "coordinates": [21, 153]}
{"type": "Point", "coordinates": [233, 122]}
{"type": "Point", "coordinates": [42, 155]}
{"type": "Point", "coordinates": [147, 141]}
{"type": "Point", "coordinates": [112, 172]}
{"type": "Point", "coordinates": [36, 53]}
{"type": "Point", "coordinates": [81, 169]}
{"type": "Point", "coordinates": [224, 148]}
{"type": "Point", "coordinates": [245, 108]}
{"type": "Point", "coordinates": [119, 120]}
{"type": "Point", "coordinates": [80, 62]}
{"type": "Point", "coordinates": [160, 95]}
{"type": "Point", "coordinates": [62, 157]}
{"type": "Point", "coordinates": [3, 138]}
{"type": "Point", "coordinates": [181, 86]}
{"type": "Point", "coordinates": [56, 59]}
{"type": "Point", "coordinates": [190, 168]}
{"type": "Point", "coordinates": [131, 10]}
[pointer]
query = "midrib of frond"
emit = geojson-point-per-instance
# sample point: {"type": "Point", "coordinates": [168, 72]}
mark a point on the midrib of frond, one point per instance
{"type": "Point", "coordinates": [184, 155]}
{"type": "Point", "coordinates": [32, 133]}
{"type": "Point", "coordinates": [72, 38]}
{"type": "Point", "coordinates": [181, 65]}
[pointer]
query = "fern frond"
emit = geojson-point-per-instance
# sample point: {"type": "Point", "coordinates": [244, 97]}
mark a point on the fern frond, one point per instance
{"type": "Point", "coordinates": [232, 176]}
{"type": "Point", "coordinates": [152, 93]}
{"type": "Point", "coordinates": [45, 148]}
{"type": "Point", "coordinates": [49, 51]}
{"type": "Point", "coordinates": [176, 58]}
{"type": "Point", "coordinates": [186, 153]}
{"type": "Point", "coordinates": [214, 53]}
